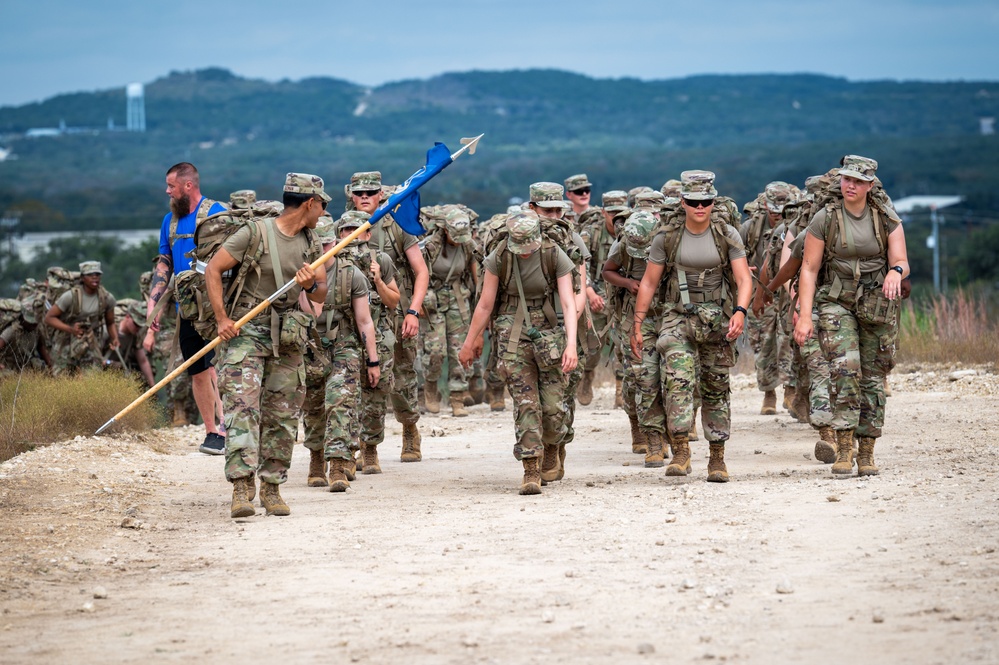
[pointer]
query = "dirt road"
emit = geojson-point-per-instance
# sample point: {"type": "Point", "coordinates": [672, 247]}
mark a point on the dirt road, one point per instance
{"type": "Point", "coordinates": [122, 550]}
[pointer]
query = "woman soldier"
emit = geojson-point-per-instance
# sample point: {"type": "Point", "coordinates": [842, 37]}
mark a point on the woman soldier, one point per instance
{"type": "Point", "coordinates": [707, 273]}
{"type": "Point", "coordinates": [853, 266]}
{"type": "Point", "coordinates": [523, 274]}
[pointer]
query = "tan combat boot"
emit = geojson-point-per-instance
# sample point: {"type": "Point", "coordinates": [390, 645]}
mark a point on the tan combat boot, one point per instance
{"type": "Point", "coordinates": [532, 477]}
{"type": "Point", "coordinates": [432, 394]}
{"type": "Point", "coordinates": [550, 466]}
{"type": "Point", "coordinates": [458, 409]}
{"type": "Point", "coordinates": [655, 457]}
{"type": "Point", "coordinates": [410, 444]}
{"type": "Point", "coordinates": [467, 399]}
{"type": "Point", "coordinates": [843, 466]}
{"type": "Point", "coordinates": [317, 469]}
{"type": "Point", "coordinates": [369, 452]}
{"type": "Point", "coordinates": [477, 393]}
{"type": "Point", "coordinates": [584, 394]}
{"type": "Point", "coordinates": [717, 473]}
{"type": "Point", "coordinates": [270, 498]}
{"type": "Point", "coordinates": [251, 488]}
{"type": "Point", "coordinates": [769, 403]}
{"type": "Point", "coordinates": [561, 463]}
{"type": "Point", "coordinates": [788, 404]}
{"type": "Point", "coordinates": [496, 401]}
{"type": "Point", "coordinates": [338, 479]}
{"type": "Point", "coordinates": [801, 407]}
{"type": "Point", "coordinates": [358, 462]}
{"type": "Point", "coordinates": [242, 505]}
{"type": "Point", "coordinates": [639, 441]}
{"type": "Point", "coordinates": [825, 447]}
{"type": "Point", "coordinates": [680, 464]}
{"type": "Point", "coordinates": [887, 388]}
{"type": "Point", "coordinates": [618, 394]}
{"type": "Point", "coordinates": [350, 467]}
{"type": "Point", "coordinates": [692, 434]}
{"type": "Point", "coordinates": [865, 457]}
{"type": "Point", "coordinates": [179, 414]}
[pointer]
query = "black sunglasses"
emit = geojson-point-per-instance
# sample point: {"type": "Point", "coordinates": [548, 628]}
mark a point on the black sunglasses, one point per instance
{"type": "Point", "coordinates": [321, 202]}
{"type": "Point", "coordinates": [369, 192]}
{"type": "Point", "coordinates": [580, 192]}
{"type": "Point", "coordinates": [700, 203]}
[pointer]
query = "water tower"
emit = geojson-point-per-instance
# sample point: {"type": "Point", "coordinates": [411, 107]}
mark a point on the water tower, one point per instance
{"type": "Point", "coordinates": [135, 109]}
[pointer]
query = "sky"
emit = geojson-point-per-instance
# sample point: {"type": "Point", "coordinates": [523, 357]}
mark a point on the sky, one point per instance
{"type": "Point", "coordinates": [50, 47]}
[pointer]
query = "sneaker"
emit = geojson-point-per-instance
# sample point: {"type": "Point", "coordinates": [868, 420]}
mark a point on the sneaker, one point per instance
{"type": "Point", "coordinates": [214, 444]}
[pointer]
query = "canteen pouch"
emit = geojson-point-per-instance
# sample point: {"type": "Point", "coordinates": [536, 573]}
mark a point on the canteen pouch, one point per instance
{"type": "Point", "coordinates": [548, 344]}
{"type": "Point", "coordinates": [874, 307]}
{"type": "Point", "coordinates": [294, 332]}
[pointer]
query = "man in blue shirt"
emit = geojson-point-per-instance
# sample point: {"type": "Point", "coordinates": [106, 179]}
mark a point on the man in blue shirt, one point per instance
{"type": "Point", "coordinates": [187, 208]}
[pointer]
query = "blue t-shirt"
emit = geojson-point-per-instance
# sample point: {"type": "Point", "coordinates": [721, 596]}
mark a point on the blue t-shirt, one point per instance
{"type": "Point", "coordinates": [183, 245]}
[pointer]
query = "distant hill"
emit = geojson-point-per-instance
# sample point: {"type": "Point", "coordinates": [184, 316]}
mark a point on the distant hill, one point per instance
{"type": "Point", "coordinates": [539, 125]}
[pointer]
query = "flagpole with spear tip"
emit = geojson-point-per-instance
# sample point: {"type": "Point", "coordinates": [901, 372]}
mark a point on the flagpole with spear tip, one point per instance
{"type": "Point", "coordinates": [438, 158]}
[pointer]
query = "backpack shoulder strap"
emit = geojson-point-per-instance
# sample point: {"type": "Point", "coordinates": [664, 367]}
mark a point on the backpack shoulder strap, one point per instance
{"type": "Point", "coordinates": [200, 216]}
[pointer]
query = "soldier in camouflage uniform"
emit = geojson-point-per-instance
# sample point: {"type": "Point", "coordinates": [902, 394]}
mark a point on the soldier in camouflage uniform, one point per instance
{"type": "Point", "coordinates": [261, 372]}
{"type": "Point", "coordinates": [131, 329]}
{"type": "Point", "coordinates": [765, 332]}
{"type": "Point", "coordinates": [81, 315]}
{"type": "Point", "coordinates": [624, 269]}
{"type": "Point", "coordinates": [451, 256]}
{"type": "Point", "coordinates": [852, 269]}
{"type": "Point", "coordinates": [22, 346]}
{"type": "Point", "coordinates": [414, 279]}
{"type": "Point", "coordinates": [495, 386]}
{"type": "Point", "coordinates": [705, 271]}
{"type": "Point", "coordinates": [343, 335]}
{"type": "Point", "coordinates": [522, 276]}
{"type": "Point", "coordinates": [601, 236]}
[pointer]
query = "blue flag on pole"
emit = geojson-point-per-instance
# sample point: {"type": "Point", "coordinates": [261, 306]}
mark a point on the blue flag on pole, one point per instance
{"type": "Point", "coordinates": [405, 203]}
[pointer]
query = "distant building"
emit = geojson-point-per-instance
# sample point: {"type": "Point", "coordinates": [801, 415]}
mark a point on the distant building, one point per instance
{"type": "Point", "coordinates": [988, 126]}
{"type": "Point", "coordinates": [135, 107]}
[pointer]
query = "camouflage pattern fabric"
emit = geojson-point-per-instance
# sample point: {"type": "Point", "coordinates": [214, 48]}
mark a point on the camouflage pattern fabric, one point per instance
{"type": "Point", "coordinates": [446, 331]}
{"type": "Point", "coordinates": [860, 356]}
{"type": "Point", "coordinates": [333, 397]}
{"type": "Point", "coordinates": [374, 401]}
{"type": "Point", "coordinates": [534, 377]}
{"type": "Point", "coordinates": [694, 352]}
{"type": "Point", "coordinates": [493, 379]}
{"type": "Point", "coordinates": [648, 380]}
{"type": "Point", "coordinates": [572, 381]}
{"type": "Point", "coordinates": [407, 383]}
{"type": "Point", "coordinates": [262, 397]}
{"type": "Point", "coordinates": [817, 371]}
{"type": "Point", "coordinates": [767, 340]}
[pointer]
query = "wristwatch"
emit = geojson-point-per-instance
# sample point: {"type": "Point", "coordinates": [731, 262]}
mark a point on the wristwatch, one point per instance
{"type": "Point", "coordinates": [312, 289]}
{"type": "Point", "coordinates": [897, 269]}
{"type": "Point", "coordinates": [740, 308]}
{"type": "Point", "coordinates": [372, 363]}
{"type": "Point", "coordinates": [413, 312]}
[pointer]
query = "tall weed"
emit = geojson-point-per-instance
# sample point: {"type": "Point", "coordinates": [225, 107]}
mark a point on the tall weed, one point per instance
{"type": "Point", "coordinates": [949, 328]}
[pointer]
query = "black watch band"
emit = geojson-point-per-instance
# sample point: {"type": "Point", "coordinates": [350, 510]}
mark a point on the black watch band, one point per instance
{"type": "Point", "coordinates": [740, 308]}
{"type": "Point", "coordinates": [312, 289]}
{"type": "Point", "coordinates": [413, 312]}
{"type": "Point", "coordinates": [372, 363]}
{"type": "Point", "coordinates": [897, 269]}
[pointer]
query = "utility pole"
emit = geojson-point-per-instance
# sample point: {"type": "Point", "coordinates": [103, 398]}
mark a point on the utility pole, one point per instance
{"type": "Point", "coordinates": [935, 221]}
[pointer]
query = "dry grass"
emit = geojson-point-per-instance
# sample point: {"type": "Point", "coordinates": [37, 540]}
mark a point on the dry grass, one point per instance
{"type": "Point", "coordinates": [949, 328]}
{"type": "Point", "coordinates": [38, 409]}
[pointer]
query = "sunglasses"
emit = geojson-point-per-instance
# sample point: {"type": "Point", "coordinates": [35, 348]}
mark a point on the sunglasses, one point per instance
{"type": "Point", "coordinates": [371, 193]}
{"type": "Point", "coordinates": [700, 203]}
{"type": "Point", "coordinates": [581, 192]}
{"type": "Point", "coordinates": [320, 202]}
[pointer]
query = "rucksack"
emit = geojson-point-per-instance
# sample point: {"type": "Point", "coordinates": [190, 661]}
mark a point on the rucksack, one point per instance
{"type": "Point", "coordinates": [191, 290]}
{"type": "Point", "coordinates": [339, 280]}
{"type": "Point", "coordinates": [10, 312]}
{"type": "Point", "coordinates": [199, 218]}
{"type": "Point", "coordinates": [59, 281]}
{"type": "Point", "coordinates": [508, 286]}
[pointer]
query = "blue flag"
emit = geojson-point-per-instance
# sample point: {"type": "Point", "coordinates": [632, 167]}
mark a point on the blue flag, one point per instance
{"type": "Point", "coordinates": [405, 203]}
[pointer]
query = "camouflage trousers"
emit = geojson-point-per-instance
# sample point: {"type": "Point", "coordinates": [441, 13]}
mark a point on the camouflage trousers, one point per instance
{"type": "Point", "coordinates": [815, 369]}
{"type": "Point", "coordinates": [375, 400]}
{"type": "Point", "coordinates": [767, 339]}
{"type": "Point", "coordinates": [695, 353]}
{"type": "Point", "coordinates": [630, 366]}
{"type": "Point", "coordinates": [648, 383]}
{"type": "Point", "coordinates": [493, 379]}
{"type": "Point", "coordinates": [607, 342]}
{"type": "Point", "coordinates": [860, 356]}
{"type": "Point", "coordinates": [572, 381]}
{"type": "Point", "coordinates": [332, 398]}
{"type": "Point", "coordinates": [406, 387]}
{"type": "Point", "coordinates": [262, 396]}
{"type": "Point", "coordinates": [446, 332]}
{"type": "Point", "coordinates": [72, 354]}
{"type": "Point", "coordinates": [533, 375]}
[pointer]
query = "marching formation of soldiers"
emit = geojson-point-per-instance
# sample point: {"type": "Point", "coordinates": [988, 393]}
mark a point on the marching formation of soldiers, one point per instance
{"type": "Point", "coordinates": [658, 283]}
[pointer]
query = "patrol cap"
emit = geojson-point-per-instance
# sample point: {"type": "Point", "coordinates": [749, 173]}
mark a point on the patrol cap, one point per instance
{"type": "Point", "coordinates": [615, 200]}
{"type": "Point", "coordinates": [28, 314]}
{"type": "Point", "coordinates": [638, 233]}
{"type": "Point", "coordinates": [650, 199]}
{"type": "Point", "coordinates": [671, 188]}
{"type": "Point", "coordinates": [778, 195]}
{"type": "Point", "coordinates": [305, 183]}
{"type": "Point", "coordinates": [511, 210]}
{"type": "Point", "coordinates": [861, 168]}
{"type": "Point", "coordinates": [350, 220]}
{"type": "Point", "coordinates": [698, 185]}
{"type": "Point", "coordinates": [366, 181]}
{"type": "Point", "coordinates": [242, 199]}
{"type": "Point", "coordinates": [137, 310]}
{"type": "Point", "coordinates": [91, 267]}
{"type": "Point", "coordinates": [326, 228]}
{"type": "Point", "coordinates": [548, 195]}
{"type": "Point", "coordinates": [524, 232]}
{"type": "Point", "coordinates": [458, 225]}
{"type": "Point", "coordinates": [574, 182]}
{"type": "Point", "coordinates": [635, 191]}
